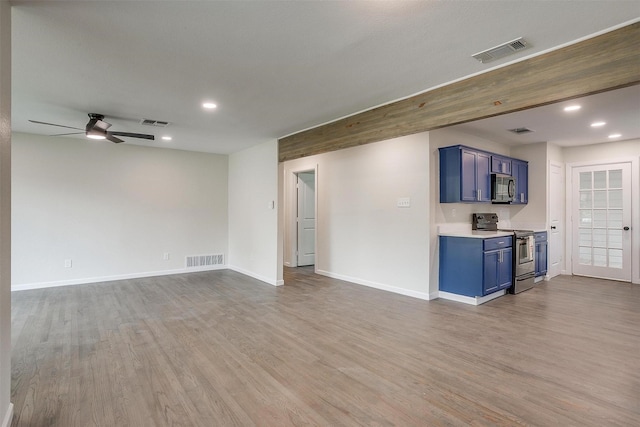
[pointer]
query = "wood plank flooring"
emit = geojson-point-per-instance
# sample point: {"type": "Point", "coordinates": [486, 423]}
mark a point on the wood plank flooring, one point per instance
{"type": "Point", "coordinates": [221, 349]}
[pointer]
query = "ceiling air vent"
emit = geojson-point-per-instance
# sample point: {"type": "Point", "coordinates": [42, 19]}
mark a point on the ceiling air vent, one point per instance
{"type": "Point", "coordinates": [520, 131]}
{"type": "Point", "coordinates": [156, 123]}
{"type": "Point", "coordinates": [501, 51]}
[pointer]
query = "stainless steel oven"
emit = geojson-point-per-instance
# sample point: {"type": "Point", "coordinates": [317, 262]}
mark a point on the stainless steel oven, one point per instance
{"type": "Point", "coordinates": [524, 253]}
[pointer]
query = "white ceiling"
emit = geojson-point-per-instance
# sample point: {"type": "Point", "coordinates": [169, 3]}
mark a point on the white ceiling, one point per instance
{"type": "Point", "coordinates": [273, 67]}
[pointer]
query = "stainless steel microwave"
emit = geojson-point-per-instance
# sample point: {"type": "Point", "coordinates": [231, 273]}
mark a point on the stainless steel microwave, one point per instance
{"type": "Point", "coordinates": [503, 188]}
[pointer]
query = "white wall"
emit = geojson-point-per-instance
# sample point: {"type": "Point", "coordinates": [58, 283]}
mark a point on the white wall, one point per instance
{"type": "Point", "coordinates": [113, 209]}
{"type": "Point", "coordinates": [253, 214]}
{"type": "Point", "coordinates": [362, 236]}
{"type": "Point", "coordinates": [612, 152]}
{"type": "Point", "coordinates": [5, 213]}
{"type": "Point", "coordinates": [534, 213]}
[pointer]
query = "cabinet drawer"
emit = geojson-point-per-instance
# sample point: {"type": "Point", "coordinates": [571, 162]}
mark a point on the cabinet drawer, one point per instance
{"type": "Point", "coordinates": [498, 243]}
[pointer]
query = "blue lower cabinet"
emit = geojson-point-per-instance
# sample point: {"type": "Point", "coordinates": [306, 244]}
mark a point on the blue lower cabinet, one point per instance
{"type": "Point", "coordinates": [541, 260]}
{"type": "Point", "coordinates": [475, 267]}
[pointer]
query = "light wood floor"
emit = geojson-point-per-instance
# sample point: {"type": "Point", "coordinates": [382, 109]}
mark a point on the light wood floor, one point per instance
{"type": "Point", "coordinates": [221, 349]}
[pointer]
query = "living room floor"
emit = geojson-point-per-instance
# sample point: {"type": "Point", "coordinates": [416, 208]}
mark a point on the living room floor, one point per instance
{"type": "Point", "coordinates": [222, 349]}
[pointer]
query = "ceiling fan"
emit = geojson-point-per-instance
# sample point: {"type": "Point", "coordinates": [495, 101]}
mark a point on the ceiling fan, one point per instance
{"type": "Point", "coordinates": [97, 129]}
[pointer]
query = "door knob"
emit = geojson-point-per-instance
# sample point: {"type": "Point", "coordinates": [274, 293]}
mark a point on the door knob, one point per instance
{"type": "Point", "coordinates": [625, 228]}
{"type": "Point", "coordinates": [553, 227]}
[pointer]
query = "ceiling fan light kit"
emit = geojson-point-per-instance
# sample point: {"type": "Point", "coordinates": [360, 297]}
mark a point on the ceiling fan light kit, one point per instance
{"type": "Point", "coordinates": [97, 128]}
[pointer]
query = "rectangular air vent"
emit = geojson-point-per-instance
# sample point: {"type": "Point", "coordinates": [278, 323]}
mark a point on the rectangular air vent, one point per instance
{"type": "Point", "coordinates": [203, 260]}
{"type": "Point", "coordinates": [521, 131]}
{"type": "Point", "coordinates": [501, 51]}
{"type": "Point", "coordinates": [156, 123]}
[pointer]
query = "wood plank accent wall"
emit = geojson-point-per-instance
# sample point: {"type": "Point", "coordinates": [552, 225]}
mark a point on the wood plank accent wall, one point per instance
{"type": "Point", "coordinates": [602, 63]}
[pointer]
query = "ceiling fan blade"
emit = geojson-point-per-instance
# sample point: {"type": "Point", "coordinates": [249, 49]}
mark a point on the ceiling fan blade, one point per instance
{"type": "Point", "coordinates": [53, 124]}
{"type": "Point", "coordinates": [133, 135]}
{"type": "Point", "coordinates": [64, 134]}
{"type": "Point", "coordinates": [112, 138]}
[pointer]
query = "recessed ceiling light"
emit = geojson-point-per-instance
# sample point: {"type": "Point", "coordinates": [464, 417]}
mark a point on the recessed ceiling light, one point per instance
{"type": "Point", "coordinates": [209, 105]}
{"type": "Point", "coordinates": [94, 136]}
{"type": "Point", "coordinates": [166, 138]}
{"type": "Point", "coordinates": [615, 135]}
{"type": "Point", "coordinates": [598, 124]}
{"type": "Point", "coordinates": [572, 108]}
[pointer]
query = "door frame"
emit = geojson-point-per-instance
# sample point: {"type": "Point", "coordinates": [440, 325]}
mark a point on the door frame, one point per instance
{"type": "Point", "coordinates": [635, 209]}
{"type": "Point", "coordinates": [291, 208]}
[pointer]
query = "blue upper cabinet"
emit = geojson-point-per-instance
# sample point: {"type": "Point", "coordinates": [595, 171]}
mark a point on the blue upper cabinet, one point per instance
{"type": "Point", "coordinates": [520, 170]}
{"type": "Point", "coordinates": [465, 175]}
{"type": "Point", "coordinates": [500, 164]}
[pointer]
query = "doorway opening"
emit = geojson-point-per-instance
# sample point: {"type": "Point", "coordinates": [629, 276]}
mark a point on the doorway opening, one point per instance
{"type": "Point", "coordinates": [306, 218]}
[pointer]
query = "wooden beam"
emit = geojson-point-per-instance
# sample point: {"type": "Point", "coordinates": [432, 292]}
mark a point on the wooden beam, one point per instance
{"type": "Point", "coordinates": [602, 63]}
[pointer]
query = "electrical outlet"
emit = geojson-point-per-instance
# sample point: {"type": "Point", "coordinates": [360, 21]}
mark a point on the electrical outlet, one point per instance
{"type": "Point", "coordinates": [404, 202]}
{"type": "Point", "coordinates": [166, 256]}
{"type": "Point", "coordinates": [68, 263]}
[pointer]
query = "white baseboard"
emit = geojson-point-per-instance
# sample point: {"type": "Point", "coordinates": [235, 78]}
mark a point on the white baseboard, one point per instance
{"type": "Point", "coordinates": [265, 279]}
{"type": "Point", "coordinates": [87, 280]}
{"type": "Point", "coordinates": [381, 286]}
{"type": "Point", "coordinates": [470, 300]}
{"type": "Point", "coordinates": [8, 416]}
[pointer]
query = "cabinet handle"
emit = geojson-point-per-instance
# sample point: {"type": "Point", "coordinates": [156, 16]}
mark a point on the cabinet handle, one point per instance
{"type": "Point", "coordinates": [479, 194]}
{"type": "Point", "coordinates": [521, 197]}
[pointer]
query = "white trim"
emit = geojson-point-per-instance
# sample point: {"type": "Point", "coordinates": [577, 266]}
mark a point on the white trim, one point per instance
{"type": "Point", "coordinates": [376, 285]}
{"type": "Point", "coordinates": [468, 76]}
{"type": "Point", "coordinates": [256, 276]}
{"type": "Point", "coordinates": [8, 416]}
{"type": "Point", "coordinates": [88, 280]}
{"type": "Point", "coordinates": [470, 300]}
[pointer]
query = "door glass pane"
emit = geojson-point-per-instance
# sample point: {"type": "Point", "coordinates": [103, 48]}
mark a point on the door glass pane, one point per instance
{"type": "Point", "coordinates": [599, 238]}
{"type": "Point", "coordinates": [585, 180]}
{"type": "Point", "coordinates": [615, 218]}
{"type": "Point", "coordinates": [585, 237]}
{"type": "Point", "coordinates": [615, 239]}
{"type": "Point", "coordinates": [600, 179]}
{"type": "Point", "coordinates": [585, 255]}
{"type": "Point", "coordinates": [615, 198]}
{"type": "Point", "coordinates": [585, 218]}
{"type": "Point", "coordinates": [600, 199]}
{"type": "Point", "coordinates": [585, 199]}
{"type": "Point", "coordinates": [600, 257]}
{"type": "Point", "coordinates": [615, 258]}
{"type": "Point", "coordinates": [599, 218]}
{"type": "Point", "coordinates": [615, 178]}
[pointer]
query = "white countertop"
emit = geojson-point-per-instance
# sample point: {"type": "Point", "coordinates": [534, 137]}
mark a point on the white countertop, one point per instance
{"type": "Point", "coordinates": [476, 234]}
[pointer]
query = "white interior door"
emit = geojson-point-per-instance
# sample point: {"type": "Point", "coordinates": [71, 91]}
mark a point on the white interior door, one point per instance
{"type": "Point", "coordinates": [556, 215]}
{"type": "Point", "coordinates": [306, 218]}
{"type": "Point", "coordinates": [601, 218]}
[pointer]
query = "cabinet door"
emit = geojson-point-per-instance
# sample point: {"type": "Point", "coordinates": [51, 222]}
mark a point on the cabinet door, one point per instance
{"type": "Point", "coordinates": [469, 176]}
{"type": "Point", "coordinates": [491, 272]}
{"type": "Point", "coordinates": [541, 258]}
{"type": "Point", "coordinates": [500, 165]}
{"type": "Point", "coordinates": [521, 173]}
{"type": "Point", "coordinates": [505, 269]}
{"type": "Point", "coordinates": [483, 177]}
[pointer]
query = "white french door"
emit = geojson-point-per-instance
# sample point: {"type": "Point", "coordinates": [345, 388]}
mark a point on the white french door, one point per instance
{"type": "Point", "coordinates": [601, 218]}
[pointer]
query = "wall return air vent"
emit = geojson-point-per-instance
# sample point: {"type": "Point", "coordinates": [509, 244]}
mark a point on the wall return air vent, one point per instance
{"type": "Point", "coordinates": [195, 261]}
{"type": "Point", "coordinates": [501, 51]}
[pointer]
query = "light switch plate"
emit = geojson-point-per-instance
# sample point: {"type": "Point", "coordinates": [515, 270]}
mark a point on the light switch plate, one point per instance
{"type": "Point", "coordinates": [404, 202]}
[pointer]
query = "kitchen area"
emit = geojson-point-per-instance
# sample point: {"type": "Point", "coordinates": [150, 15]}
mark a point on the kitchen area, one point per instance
{"type": "Point", "coordinates": [488, 255]}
